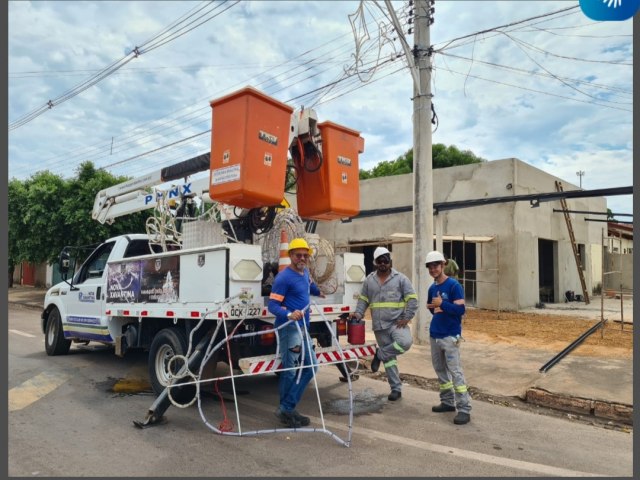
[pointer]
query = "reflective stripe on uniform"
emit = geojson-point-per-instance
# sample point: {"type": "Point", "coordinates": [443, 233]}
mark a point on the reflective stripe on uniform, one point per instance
{"type": "Point", "coordinates": [446, 386]}
{"type": "Point", "coordinates": [363, 298]}
{"type": "Point", "coordinates": [275, 296]}
{"type": "Point", "coordinates": [391, 363]}
{"type": "Point", "coordinates": [375, 305]}
{"type": "Point", "coordinates": [410, 296]}
{"type": "Point", "coordinates": [461, 389]}
{"type": "Point", "coordinates": [398, 347]}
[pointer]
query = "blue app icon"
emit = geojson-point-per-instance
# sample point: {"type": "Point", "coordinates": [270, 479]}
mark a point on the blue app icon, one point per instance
{"type": "Point", "coordinates": [609, 9]}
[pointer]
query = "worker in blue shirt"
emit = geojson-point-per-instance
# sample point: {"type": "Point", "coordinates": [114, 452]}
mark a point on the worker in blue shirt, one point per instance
{"type": "Point", "coordinates": [289, 300]}
{"type": "Point", "coordinates": [445, 301]}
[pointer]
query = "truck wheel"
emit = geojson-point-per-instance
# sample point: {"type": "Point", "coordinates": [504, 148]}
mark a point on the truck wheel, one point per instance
{"type": "Point", "coordinates": [166, 344]}
{"type": "Point", "coordinates": [54, 341]}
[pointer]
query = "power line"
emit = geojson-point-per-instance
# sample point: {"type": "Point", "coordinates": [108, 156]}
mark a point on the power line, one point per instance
{"type": "Point", "coordinates": [533, 72]}
{"type": "Point", "coordinates": [559, 78]}
{"type": "Point", "coordinates": [518, 22]}
{"type": "Point", "coordinates": [104, 73]}
{"type": "Point", "coordinates": [536, 91]}
{"type": "Point", "coordinates": [546, 52]}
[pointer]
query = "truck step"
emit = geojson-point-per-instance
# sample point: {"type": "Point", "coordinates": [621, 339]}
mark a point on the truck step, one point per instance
{"type": "Point", "coordinates": [269, 363]}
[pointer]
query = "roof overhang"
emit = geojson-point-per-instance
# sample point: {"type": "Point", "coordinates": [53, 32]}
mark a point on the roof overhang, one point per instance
{"type": "Point", "coordinates": [460, 238]}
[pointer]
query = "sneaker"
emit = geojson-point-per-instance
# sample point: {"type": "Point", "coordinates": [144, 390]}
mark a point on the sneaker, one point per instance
{"type": "Point", "coordinates": [288, 419]}
{"type": "Point", "coordinates": [443, 408]}
{"type": "Point", "coordinates": [375, 363]}
{"type": "Point", "coordinates": [461, 418]}
{"type": "Point", "coordinates": [394, 395]}
{"type": "Point", "coordinates": [304, 421]}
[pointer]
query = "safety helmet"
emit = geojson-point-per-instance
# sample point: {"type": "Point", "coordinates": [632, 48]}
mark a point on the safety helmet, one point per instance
{"type": "Point", "coordinates": [434, 256]}
{"type": "Point", "coordinates": [380, 251]}
{"type": "Point", "coordinates": [299, 243]}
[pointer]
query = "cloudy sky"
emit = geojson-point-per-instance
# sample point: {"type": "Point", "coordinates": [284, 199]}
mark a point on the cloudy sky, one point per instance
{"type": "Point", "coordinates": [555, 92]}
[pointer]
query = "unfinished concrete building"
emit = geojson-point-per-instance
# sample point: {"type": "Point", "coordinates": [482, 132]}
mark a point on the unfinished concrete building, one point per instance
{"type": "Point", "coordinates": [512, 255]}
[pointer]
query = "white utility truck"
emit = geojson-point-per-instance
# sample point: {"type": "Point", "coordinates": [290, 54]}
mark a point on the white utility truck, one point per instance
{"type": "Point", "coordinates": [155, 291]}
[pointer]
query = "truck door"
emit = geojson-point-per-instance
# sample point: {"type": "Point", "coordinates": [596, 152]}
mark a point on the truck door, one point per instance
{"type": "Point", "coordinates": [85, 301]}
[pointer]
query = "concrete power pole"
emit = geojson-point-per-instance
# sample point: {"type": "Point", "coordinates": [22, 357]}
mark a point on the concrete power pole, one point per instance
{"type": "Point", "coordinates": [422, 167]}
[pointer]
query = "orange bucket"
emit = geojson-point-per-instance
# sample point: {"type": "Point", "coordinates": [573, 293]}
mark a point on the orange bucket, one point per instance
{"type": "Point", "coordinates": [333, 191]}
{"type": "Point", "coordinates": [249, 144]}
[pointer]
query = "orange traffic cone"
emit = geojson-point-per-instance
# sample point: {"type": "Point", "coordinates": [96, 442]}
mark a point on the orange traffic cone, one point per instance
{"type": "Point", "coordinates": [284, 261]}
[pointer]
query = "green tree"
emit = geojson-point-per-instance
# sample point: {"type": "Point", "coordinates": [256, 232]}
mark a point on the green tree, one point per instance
{"type": "Point", "coordinates": [47, 213]}
{"type": "Point", "coordinates": [17, 228]}
{"type": "Point", "coordinates": [43, 223]}
{"type": "Point", "coordinates": [81, 229]}
{"type": "Point", "coordinates": [442, 156]}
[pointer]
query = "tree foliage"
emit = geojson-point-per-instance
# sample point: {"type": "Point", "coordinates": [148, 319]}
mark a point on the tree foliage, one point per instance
{"type": "Point", "coordinates": [47, 213]}
{"type": "Point", "coordinates": [442, 156]}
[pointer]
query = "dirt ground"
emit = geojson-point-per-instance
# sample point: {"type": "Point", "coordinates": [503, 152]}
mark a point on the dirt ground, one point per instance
{"type": "Point", "coordinates": [548, 332]}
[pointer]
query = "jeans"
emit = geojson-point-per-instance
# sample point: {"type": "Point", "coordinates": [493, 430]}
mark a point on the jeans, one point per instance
{"type": "Point", "coordinates": [291, 347]}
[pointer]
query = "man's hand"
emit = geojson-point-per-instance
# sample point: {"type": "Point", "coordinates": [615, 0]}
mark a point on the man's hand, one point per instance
{"type": "Point", "coordinates": [402, 323]}
{"type": "Point", "coordinates": [435, 303]}
{"type": "Point", "coordinates": [296, 315]}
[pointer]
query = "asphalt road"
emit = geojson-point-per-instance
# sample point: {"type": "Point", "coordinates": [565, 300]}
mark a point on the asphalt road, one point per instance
{"type": "Point", "coordinates": [65, 420]}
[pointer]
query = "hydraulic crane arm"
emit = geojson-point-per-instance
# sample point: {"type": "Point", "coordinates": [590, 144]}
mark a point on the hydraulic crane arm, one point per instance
{"type": "Point", "coordinates": [141, 193]}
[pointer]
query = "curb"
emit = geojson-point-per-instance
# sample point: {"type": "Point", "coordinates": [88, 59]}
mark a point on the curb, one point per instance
{"type": "Point", "coordinates": [582, 406]}
{"type": "Point", "coordinates": [32, 306]}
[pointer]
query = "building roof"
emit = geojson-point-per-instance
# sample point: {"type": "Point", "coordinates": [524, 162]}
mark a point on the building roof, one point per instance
{"type": "Point", "coordinates": [615, 229]}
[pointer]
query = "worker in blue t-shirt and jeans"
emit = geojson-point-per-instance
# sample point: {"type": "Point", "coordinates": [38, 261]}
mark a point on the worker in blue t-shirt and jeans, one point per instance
{"type": "Point", "coordinates": [445, 301]}
{"type": "Point", "coordinates": [289, 302]}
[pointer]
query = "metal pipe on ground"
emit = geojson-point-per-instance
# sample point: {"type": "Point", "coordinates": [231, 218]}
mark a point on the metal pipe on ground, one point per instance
{"type": "Point", "coordinates": [547, 366]}
{"type": "Point", "coordinates": [155, 414]}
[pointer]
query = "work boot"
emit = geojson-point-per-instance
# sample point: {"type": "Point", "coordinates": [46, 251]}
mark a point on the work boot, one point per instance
{"type": "Point", "coordinates": [288, 419]}
{"type": "Point", "coordinates": [394, 395]}
{"type": "Point", "coordinates": [443, 408]}
{"type": "Point", "coordinates": [304, 421]}
{"type": "Point", "coordinates": [375, 363]}
{"type": "Point", "coordinates": [461, 418]}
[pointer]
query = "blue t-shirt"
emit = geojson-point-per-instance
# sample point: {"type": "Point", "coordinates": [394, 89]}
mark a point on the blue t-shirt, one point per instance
{"type": "Point", "coordinates": [291, 291]}
{"type": "Point", "coordinates": [445, 324]}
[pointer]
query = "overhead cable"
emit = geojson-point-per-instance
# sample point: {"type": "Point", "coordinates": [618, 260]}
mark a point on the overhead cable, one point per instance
{"type": "Point", "coordinates": [104, 73]}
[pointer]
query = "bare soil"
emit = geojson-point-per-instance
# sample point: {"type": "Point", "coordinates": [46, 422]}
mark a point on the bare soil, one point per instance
{"type": "Point", "coordinates": [548, 332]}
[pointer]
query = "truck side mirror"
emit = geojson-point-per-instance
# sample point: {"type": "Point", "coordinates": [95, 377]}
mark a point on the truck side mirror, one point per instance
{"type": "Point", "coordinates": [64, 263]}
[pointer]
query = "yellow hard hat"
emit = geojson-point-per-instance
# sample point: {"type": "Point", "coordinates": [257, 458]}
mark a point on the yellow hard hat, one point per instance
{"type": "Point", "coordinates": [300, 243]}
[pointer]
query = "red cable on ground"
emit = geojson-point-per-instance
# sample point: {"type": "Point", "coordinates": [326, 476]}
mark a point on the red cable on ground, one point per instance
{"type": "Point", "coordinates": [226, 425]}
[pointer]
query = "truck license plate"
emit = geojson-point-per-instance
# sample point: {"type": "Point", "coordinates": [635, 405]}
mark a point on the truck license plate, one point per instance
{"type": "Point", "coordinates": [241, 311]}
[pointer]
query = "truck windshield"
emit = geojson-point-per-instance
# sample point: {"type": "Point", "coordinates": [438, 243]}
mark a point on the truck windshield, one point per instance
{"type": "Point", "coordinates": [95, 264]}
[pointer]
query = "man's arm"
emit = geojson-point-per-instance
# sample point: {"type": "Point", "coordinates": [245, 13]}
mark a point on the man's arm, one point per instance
{"type": "Point", "coordinates": [411, 302]}
{"type": "Point", "coordinates": [276, 300]}
{"type": "Point", "coordinates": [456, 304]}
{"type": "Point", "coordinates": [363, 301]}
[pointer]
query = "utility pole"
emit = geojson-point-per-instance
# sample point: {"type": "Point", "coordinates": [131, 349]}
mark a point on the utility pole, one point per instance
{"type": "Point", "coordinates": [580, 173]}
{"type": "Point", "coordinates": [422, 166]}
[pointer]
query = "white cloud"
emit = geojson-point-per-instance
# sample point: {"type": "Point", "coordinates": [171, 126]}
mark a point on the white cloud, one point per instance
{"type": "Point", "coordinates": [161, 97]}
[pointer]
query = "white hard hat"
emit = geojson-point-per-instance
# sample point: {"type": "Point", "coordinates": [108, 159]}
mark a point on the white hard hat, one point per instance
{"type": "Point", "coordinates": [434, 256]}
{"type": "Point", "coordinates": [380, 251]}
